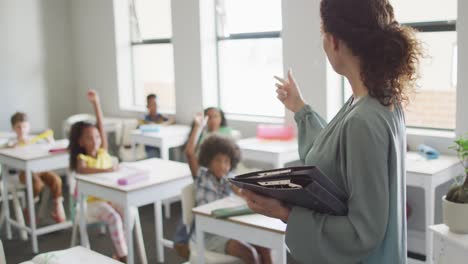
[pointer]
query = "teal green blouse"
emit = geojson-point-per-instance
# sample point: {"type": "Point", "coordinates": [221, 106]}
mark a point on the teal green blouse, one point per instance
{"type": "Point", "coordinates": [363, 151]}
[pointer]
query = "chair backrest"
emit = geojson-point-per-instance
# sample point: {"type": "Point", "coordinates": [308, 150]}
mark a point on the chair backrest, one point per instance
{"type": "Point", "coordinates": [128, 126]}
{"type": "Point", "coordinates": [67, 123]}
{"type": "Point", "coordinates": [2, 254]}
{"type": "Point", "coordinates": [188, 202]}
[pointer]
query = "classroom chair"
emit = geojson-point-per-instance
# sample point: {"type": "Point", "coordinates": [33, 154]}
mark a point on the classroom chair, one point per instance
{"type": "Point", "coordinates": [125, 150]}
{"type": "Point", "coordinates": [96, 222]}
{"type": "Point", "coordinates": [16, 193]}
{"type": "Point", "coordinates": [67, 123]}
{"type": "Point", "coordinates": [188, 202]}
{"type": "Point", "coordinates": [2, 254]}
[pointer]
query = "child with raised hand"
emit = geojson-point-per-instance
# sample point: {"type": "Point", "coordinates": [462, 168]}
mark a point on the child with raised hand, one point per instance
{"type": "Point", "coordinates": [21, 127]}
{"type": "Point", "coordinates": [217, 158]}
{"type": "Point", "coordinates": [88, 154]}
{"type": "Point", "coordinates": [214, 122]}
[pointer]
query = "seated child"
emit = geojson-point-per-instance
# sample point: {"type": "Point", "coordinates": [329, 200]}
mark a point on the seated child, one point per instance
{"type": "Point", "coordinates": [217, 158]}
{"type": "Point", "coordinates": [153, 117]}
{"type": "Point", "coordinates": [20, 124]}
{"type": "Point", "coordinates": [88, 154]}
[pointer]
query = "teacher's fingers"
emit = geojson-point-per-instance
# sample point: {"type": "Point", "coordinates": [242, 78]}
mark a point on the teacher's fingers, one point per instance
{"type": "Point", "coordinates": [281, 80]}
{"type": "Point", "coordinates": [281, 94]}
{"type": "Point", "coordinates": [290, 76]}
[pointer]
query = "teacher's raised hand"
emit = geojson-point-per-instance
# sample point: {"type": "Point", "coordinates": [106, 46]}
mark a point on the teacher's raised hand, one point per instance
{"type": "Point", "coordinates": [288, 92]}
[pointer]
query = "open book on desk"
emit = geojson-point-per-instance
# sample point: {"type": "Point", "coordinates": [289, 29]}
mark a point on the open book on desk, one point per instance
{"type": "Point", "coordinates": [302, 186]}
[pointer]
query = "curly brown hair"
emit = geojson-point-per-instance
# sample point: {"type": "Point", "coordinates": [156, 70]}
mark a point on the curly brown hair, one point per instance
{"type": "Point", "coordinates": [389, 53]}
{"type": "Point", "coordinates": [215, 145]}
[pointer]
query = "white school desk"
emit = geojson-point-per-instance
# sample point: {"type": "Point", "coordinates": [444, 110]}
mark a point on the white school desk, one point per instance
{"type": "Point", "coordinates": [255, 228]}
{"type": "Point", "coordinates": [33, 158]}
{"type": "Point", "coordinates": [74, 255]}
{"type": "Point", "coordinates": [168, 137]}
{"type": "Point", "coordinates": [276, 152]}
{"type": "Point", "coordinates": [449, 247]}
{"type": "Point", "coordinates": [428, 175]}
{"type": "Point", "coordinates": [166, 179]}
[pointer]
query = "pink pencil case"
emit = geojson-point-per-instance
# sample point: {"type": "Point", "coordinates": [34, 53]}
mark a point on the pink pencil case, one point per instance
{"type": "Point", "coordinates": [275, 132]}
{"type": "Point", "coordinates": [133, 178]}
{"type": "Point", "coordinates": [58, 150]}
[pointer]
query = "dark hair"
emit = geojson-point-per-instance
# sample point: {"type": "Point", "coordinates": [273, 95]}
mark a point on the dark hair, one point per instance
{"type": "Point", "coordinates": [389, 52]}
{"type": "Point", "coordinates": [18, 117]}
{"type": "Point", "coordinates": [74, 146]}
{"type": "Point", "coordinates": [151, 96]}
{"type": "Point", "coordinates": [223, 118]}
{"type": "Point", "coordinates": [215, 145]}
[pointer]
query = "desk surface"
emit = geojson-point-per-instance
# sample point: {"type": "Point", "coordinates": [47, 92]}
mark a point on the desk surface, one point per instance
{"type": "Point", "coordinates": [36, 151]}
{"type": "Point", "coordinates": [165, 131]}
{"type": "Point", "coordinates": [443, 230]}
{"type": "Point", "coordinates": [253, 220]}
{"type": "Point", "coordinates": [273, 146]}
{"type": "Point", "coordinates": [160, 171]}
{"type": "Point", "coordinates": [417, 164]}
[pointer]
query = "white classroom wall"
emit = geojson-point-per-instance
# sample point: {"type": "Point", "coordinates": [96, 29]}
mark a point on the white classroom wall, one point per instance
{"type": "Point", "coordinates": [36, 62]}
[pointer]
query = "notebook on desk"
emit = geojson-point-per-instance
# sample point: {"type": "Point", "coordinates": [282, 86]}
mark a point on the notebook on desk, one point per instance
{"type": "Point", "coordinates": [302, 186]}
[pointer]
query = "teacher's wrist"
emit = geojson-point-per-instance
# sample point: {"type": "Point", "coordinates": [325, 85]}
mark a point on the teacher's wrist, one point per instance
{"type": "Point", "coordinates": [298, 106]}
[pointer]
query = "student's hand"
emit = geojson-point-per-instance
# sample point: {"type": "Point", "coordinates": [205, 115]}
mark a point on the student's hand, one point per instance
{"type": "Point", "coordinates": [93, 96]}
{"type": "Point", "coordinates": [200, 120]}
{"type": "Point", "coordinates": [266, 206]}
{"type": "Point", "coordinates": [288, 93]}
{"type": "Point", "coordinates": [50, 137]}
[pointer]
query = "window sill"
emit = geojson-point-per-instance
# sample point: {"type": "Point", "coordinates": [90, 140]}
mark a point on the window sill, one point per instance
{"type": "Point", "coordinates": [143, 110]}
{"type": "Point", "coordinates": [449, 135]}
{"type": "Point", "coordinates": [255, 119]}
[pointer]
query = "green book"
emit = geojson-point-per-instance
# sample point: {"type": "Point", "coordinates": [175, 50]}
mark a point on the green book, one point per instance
{"type": "Point", "coordinates": [232, 211]}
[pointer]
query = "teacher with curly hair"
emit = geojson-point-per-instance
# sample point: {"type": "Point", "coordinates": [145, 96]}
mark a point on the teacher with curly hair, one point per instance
{"type": "Point", "coordinates": [362, 150]}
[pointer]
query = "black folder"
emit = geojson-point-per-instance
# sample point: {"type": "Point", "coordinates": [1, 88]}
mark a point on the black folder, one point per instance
{"type": "Point", "coordinates": [301, 186]}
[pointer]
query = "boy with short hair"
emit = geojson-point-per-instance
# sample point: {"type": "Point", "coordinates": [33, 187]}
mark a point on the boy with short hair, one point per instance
{"type": "Point", "coordinates": [153, 117]}
{"type": "Point", "coordinates": [20, 125]}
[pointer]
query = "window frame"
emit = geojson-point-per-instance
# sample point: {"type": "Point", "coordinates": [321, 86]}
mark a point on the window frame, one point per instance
{"type": "Point", "coordinates": [242, 36]}
{"type": "Point", "coordinates": [422, 27]}
{"type": "Point", "coordinates": [145, 42]}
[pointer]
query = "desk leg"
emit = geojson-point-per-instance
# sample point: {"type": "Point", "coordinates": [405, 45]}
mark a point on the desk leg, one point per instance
{"type": "Point", "coordinates": [278, 163]}
{"type": "Point", "coordinates": [31, 210]}
{"type": "Point", "coordinates": [280, 251]}
{"type": "Point", "coordinates": [429, 194]}
{"type": "Point", "coordinates": [134, 150]}
{"type": "Point", "coordinates": [128, 230]}
{"type": "Point", "coordinates": [164, 152]}
{"type": "Point", "coordinates": [159, 231]}
{"type": "Point", "coordinates": [6, 206]}
{"type": "Point", "coordinates": [83, 232]}
{"type": "Point", "coordinates": [200, 243]}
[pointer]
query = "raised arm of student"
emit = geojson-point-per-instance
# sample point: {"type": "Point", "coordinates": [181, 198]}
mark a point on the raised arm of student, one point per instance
{"type": "Point", "coordinates": [190, 148]}
{"type": "Point", "coordinates": [93, 97]}
{"type": "Point", "coordinates": [309, 122]}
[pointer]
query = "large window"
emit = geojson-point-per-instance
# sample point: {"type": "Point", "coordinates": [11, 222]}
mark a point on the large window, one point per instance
{"type": "Point", "coordinates": [152, 53]}
{"type": "Point", "coordinates": [249, 54]}
{"type": "Point", "coordinates": [433, 105]}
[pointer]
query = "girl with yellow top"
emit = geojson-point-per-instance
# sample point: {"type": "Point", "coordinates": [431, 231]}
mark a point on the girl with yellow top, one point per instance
{"type": "Point", "coordinates": [88, 154]}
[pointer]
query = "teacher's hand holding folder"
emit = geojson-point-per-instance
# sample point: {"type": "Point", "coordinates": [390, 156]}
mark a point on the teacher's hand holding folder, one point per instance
{"type": "Point", "coordinates": [271, 192]}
